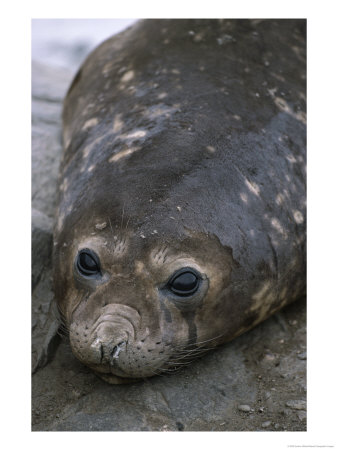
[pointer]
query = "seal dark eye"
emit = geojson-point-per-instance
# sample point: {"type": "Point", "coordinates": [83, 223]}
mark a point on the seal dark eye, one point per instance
{"type": "Point", "coordinates": [184, 282]}
{"type": "Point", "coordinates": [88, 262]}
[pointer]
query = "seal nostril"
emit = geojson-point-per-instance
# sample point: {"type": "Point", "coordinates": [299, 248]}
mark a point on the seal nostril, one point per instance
{"type": "Point", "coordinates": [101, 352]}
{"type": "Point", "coordinates": [116, 350]}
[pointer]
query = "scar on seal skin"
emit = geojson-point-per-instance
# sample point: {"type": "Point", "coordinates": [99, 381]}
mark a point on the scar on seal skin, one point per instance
{"type": "Point", "coordinates": [182, 211]}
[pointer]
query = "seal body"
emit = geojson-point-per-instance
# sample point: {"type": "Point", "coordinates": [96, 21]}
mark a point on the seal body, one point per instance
{"type": "Point", "coordinates": [181, 220]}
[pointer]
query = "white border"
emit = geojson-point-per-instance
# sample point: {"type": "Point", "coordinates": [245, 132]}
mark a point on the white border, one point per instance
{"type": "Point", "coordinates": [15, 223]}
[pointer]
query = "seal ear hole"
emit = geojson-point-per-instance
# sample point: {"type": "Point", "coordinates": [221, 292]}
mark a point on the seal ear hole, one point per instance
{"type": "Point", "coordinates": [88, 263]}
{"type": "Point", "coordinates": [184, 282]}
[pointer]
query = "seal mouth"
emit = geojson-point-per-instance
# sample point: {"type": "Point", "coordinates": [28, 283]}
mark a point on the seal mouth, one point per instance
{"type": "Point", "coordinates": [115, 379]}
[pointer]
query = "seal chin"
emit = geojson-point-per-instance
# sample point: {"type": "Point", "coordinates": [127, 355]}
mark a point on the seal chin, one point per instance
{"type": "Point", "coordinates": [114, 379]}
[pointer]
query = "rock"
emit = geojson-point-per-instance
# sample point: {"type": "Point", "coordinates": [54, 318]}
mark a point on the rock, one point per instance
{"type": "Point", "coordinates": [48, 89]}
{"type": "Point", "coordinates": [244, 408]}
{"type": "Point", "coordinates": [267, 395]}
{"type": "Point", "coordinates": [42, 244]}
{"type": "Point", "coordinates": [44, 334]}
{"type": "Point", "coordinates": [301, 415]}
{"type": "Point", "coordinates": [296, 404]}
{"type": "Point", "coordinates": [266, 424]}
{"type": "Point", "coordinates": [180, 426]}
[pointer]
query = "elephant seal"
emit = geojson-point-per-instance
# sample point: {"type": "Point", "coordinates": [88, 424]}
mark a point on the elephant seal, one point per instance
{"type": "Point", "coordinates": [181, 220]}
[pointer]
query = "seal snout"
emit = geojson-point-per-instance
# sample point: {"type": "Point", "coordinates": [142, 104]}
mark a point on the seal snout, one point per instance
{"type": "Point", "coordinates": [107, 338]}
{"type": "Point", "coordinates": [103, 352]}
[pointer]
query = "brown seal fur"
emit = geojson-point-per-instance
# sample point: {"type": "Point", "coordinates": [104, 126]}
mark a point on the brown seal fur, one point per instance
{"type": "Point", "coordinates": [184, 153]}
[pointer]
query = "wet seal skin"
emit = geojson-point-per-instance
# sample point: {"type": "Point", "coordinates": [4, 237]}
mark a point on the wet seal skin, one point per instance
{"type": "Point", "coordinates": [181, 220]}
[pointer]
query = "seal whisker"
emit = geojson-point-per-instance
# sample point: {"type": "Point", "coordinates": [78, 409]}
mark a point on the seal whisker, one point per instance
{"type": "Point", "coordinates": [122, 216]}
{"type": "Point", "coordinates": [185, 348]}
{"type": "Point", "coordinates": [110, 225]}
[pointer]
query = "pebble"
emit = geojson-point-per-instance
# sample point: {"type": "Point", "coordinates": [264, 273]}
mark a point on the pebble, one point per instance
{"type": "Point", "coordinates": [302, 356]}
{"type": "Point", "coordinates": [267, 395]}
{"type": "Point", "coordinates": [296, 404]}
{"type": "Point", "coordinates": [269, 357]}
{"type": "Point", "coordinates": [266, 424]}
{"type": "Point", "coordinates": [301, 415]}
{"type": "Point", "coordinates": [76, 394]}
{"type": "Point", "coordinates": [244, 408]}
{"type": "Point", "coordinates": [180, 426]}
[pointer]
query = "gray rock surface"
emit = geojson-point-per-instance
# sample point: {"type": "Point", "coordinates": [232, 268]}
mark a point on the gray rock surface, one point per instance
{"type": "Point", "coordinates": [48, 89]}
{"type": "Point", "coordinates": [261, 369]}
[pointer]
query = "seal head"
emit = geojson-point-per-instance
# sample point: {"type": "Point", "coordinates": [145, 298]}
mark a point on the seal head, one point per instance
{"type": "Point", "coordinates": [138, 307]}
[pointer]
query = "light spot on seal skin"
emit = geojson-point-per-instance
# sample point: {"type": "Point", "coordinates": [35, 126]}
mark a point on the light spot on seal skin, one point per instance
{"type": "Point", "coordinates": [162, 95]}
{"type": "Point", "coordinates": [101, 226]}
{"type": "Point", "coordinates": [210, 149]}
{"type": "Point", "coordinates": [88, 148]}
{"type": "Point", "coordinates": [277, 226]}
{"type": "Point", "coordinates": [298, 216]}
{"type": "Point", "coordinates": [64, 185]}
{"type": "Point", "coordinates": [278, 77]}
{"type": "Point", "coordinates": [90, 123]}
{"type": "Point", "coordinates": [243, 197]}
{"type": "Point", "coordinates": [139, 267]}
{"type": "Point", "coordinates": [291, 159]}
{"type": "Point", "coordinates": [253, 187]}
{"type": "Point", "coordinates": [117, 124]}
{"type": "Point", "coordinates": [60, 221]}
{"type": "Point", "coordinates": [263, 299]}
{"type": "Point", "coordinates": [128, 76]}
{"type": "Point", "coordinates": [283, 106]}
{"type": "Point", "coordinates": [137, 134]}
{"type": "Point", "coordinates": [123, 154]}
{"type": "Point", "coordinates": [279, 199]}
{"type": "Point", "coordinates": [107, 68]}
{"type": "Point", "coordinates": [159, 111]}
